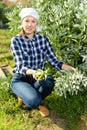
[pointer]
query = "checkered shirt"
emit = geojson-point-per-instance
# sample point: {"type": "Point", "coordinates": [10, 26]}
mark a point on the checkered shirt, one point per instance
{"type": "Point", "coordinates": [32, 53]}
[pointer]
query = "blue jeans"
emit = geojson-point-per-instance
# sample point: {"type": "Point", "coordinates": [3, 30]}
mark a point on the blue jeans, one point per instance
{"type": "Point", "coordinates": [31, 91]}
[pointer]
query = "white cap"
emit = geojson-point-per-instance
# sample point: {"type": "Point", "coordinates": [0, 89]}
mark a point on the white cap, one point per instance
{"type": "Point", "coordinates": [29, 12]}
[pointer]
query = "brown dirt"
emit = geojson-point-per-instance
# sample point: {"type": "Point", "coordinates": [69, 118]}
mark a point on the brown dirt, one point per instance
{"type": "Point", "coordinates": [83, 124]}
{"type": "Point", "coordinates": [53, 122]}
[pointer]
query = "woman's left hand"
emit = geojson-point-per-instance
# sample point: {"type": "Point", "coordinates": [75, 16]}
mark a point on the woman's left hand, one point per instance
{"type": "Point", "coordinates": [68, 67]}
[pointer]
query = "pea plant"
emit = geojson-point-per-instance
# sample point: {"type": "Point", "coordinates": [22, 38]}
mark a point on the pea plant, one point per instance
{"type": "Point", "coordinates": [70, 83]}
{"type": "Point", "coordinates": [65, 23]}
{"type": "Point", "coordinates": [66, 82]}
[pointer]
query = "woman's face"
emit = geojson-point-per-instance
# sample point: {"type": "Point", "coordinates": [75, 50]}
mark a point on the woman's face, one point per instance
{"type": "Point", "coordinates": [29, 24]}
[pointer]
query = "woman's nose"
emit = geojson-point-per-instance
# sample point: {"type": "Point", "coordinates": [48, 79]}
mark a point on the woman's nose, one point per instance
{"type": "Point", "coordinates": [29, 24]}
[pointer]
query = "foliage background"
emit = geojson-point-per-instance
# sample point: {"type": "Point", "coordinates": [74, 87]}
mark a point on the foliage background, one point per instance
{"type": "Point", "coordinates": [65, 24]}
{"type": "Point", "coordinates": [3, 9]}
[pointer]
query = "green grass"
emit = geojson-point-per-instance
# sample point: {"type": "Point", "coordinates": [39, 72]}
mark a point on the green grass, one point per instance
{"type": "Point", "coordinates": [5, 52]}
{"type": "Point", "coordinates": [5, 37]}
{"type": "Point", "coordinates": [13, 117]}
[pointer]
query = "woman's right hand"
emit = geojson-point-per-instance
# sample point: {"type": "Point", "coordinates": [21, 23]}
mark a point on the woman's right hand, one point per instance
{"type": "Point", "coordinates": [30, 71]}
{"type": "Point", "coordinates": [37, 74]}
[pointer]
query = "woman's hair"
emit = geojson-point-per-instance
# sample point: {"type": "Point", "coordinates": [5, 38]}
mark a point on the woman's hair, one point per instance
{"type": "Point", "coordinates": [22, 32]}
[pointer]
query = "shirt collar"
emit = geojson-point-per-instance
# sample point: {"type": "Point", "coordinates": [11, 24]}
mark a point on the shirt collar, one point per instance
{"type": "Point", "coordinates": [30, 39]}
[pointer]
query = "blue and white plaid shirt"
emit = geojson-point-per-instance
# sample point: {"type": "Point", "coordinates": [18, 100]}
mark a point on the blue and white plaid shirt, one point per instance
{"type": "Point", "coordinates": [32, 53]}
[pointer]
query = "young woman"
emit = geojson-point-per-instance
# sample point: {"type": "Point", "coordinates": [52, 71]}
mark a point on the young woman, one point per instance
{"type": "Point", "coordinates": [30, 51]}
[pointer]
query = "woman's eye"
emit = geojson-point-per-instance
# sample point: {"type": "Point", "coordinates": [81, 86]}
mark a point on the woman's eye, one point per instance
{"type": "Point", "coordinates": [27, 21]}
{"type": "Point", "coordinates": [33, 21]}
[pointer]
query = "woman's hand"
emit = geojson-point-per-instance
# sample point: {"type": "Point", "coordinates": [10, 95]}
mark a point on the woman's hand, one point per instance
{"type": "Point", "coordinates": [68, 67]}
{"type": "Point", "coordinates": [30, 71]}
{"type": "Point", "coordinates": [37, 74]}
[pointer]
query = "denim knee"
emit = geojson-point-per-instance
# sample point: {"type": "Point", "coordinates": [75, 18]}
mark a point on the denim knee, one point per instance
{"type": "Point", "coordinates": [34, 101]}
{"type": "Point", "coordinates": [49, 82]}
{"type": "Point", "coordinates": [46, 86]}
{"type": "Point", "coordinates": [30, 96]}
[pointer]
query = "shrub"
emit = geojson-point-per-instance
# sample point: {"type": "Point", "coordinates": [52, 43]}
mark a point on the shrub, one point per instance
{"type": "Point", "coordinates": [14, 21]}
{"type": "Point", "coordinates": [64, 22]}
{"type": "Point", "coordinates": [2, 15]}
{"type": "Point", "coordinates": [70, 83]}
